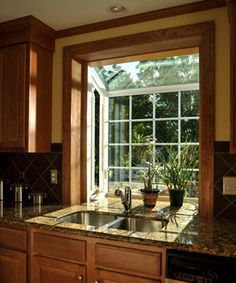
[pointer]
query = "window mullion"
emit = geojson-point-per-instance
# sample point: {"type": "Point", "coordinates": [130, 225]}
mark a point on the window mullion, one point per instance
{"type": "Point", "coordinates": [154, 128]}
{"type": "Point", "coordinates": [130, 139]}
{"type": "Point", "coordinates": [179, 122]}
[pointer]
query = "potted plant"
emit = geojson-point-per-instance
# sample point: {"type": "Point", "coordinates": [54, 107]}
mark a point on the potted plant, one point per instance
{"type": "Point", "coordinates": [176, 171]}
{"type": "Point", "coordinates": [149, 193]}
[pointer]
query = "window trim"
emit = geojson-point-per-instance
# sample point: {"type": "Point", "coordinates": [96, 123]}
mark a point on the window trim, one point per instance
{"type": "Point", "coordinates": [75, 63]}
{"type": "Point", "coordinates": [153, 90]}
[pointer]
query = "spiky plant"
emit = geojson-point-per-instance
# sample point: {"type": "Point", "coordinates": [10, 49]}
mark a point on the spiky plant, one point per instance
{"type": "Point", "coordinates": [176, 170]}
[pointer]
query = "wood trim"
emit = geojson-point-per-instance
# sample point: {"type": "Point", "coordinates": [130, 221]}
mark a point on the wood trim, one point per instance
{"type": "Point", "coordinates": [66, 137]}
{"type": "Point", "coordinates": [27, 29]}
{"type": "Point", "coordinates": [143, 17]}
{"type": "Point", "coordinates": [197, 35]}
{"type": "Point", "coordinates": [231, 4]}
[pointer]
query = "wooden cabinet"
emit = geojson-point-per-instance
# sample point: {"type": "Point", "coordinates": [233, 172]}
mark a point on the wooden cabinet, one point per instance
{"type": "Point", "coordinates": [13, 263]}
{"type": "Point", "coordinates": [25, 85]}
{"type": "Point", "coordinates": [104, 276]}
{"type": "Point", "coordinates": [49, 270]}
{"type": "Point", "coordinates": [12, 96]}
{"type": "Point", "coordinates": [12, 266]}
{"type": "Point", "coordinates": [59, 257]}
{"type": "Point", "coordinates": [128, 263]}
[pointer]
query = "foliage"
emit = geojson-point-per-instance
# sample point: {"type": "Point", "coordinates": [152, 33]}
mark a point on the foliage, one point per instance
{"type": "Point", "coordinates": [176, 170]}
{"type": "Point", "coordinates": [166, 71]}
{"type": "Point", "coordinates": [148, 177]}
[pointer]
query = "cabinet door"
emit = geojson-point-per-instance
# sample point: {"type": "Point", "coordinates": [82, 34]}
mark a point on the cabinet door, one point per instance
{"type": "Point", "coordinates": [12, 266]}
{"type": "Point", "coordinates": [47, 270]}
{"type": "Point", "coordinates": [104, 276]}
{"type": "Point", "coordinates": [12, 96]}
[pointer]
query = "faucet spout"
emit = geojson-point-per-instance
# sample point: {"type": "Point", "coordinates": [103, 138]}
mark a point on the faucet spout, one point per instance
{"type": "Point", "coordinates": [126, 198]}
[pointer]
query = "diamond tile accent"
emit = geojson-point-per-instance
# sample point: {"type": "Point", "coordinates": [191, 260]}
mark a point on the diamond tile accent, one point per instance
{"type": "Point", "coordinates": [225, 165]}
{"type": "Point", "coordinates": [35, 170]}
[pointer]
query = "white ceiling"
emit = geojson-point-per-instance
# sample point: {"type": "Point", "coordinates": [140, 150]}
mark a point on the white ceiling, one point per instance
{"type": "Point", "coordinates": [62, 14]}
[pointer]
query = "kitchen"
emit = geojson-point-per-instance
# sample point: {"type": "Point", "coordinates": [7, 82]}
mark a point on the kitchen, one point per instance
{"type": "Point", "coordinates": [223, 207]}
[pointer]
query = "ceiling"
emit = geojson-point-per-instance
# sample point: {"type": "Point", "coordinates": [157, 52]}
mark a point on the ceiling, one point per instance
{"type": "Point", "coordinates": [62, 14]}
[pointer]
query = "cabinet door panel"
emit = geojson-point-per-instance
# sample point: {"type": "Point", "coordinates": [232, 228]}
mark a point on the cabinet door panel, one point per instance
{"type": "Point", "coordinates": [103, 276]}
{"type": "Point", "coordinates": [12, 96]}
{"type": "Point", "coordinates": [12, 266]}
{"type": "Point", "coordinates": [48, 270]}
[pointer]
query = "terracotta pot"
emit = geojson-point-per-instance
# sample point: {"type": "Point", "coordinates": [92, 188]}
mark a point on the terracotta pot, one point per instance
{"type": "Point", "coordinates": [149, 197]}
{"type": "Point", "coordinates": [176, 197]}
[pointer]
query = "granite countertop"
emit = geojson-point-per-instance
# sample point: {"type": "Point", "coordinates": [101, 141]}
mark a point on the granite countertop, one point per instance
{"type": "Point", "coordinates": [184, 231]}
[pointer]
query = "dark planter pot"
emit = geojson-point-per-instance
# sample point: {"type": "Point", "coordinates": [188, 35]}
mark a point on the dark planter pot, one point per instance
{"type": "Point", "coordinates": [176, 197]}
{"type": "Point", "coordinates": [149, 197]}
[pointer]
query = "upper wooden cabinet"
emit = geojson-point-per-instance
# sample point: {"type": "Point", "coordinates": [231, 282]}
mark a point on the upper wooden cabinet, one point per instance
{"type": "Point", "coordinates": [26, 50]}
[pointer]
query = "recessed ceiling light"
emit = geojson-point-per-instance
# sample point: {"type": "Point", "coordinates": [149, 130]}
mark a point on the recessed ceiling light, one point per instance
{"type": "Point", "coordinates": [116, 9]}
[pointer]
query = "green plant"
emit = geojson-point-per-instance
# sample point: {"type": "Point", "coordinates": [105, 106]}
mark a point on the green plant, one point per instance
{"type": "Point", "coordinates": [176, 170]}
{"type": "Point", "coordinates": [148, 177]}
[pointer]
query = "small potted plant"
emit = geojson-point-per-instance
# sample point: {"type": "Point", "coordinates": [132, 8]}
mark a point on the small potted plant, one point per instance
{"type": "Point", "coordinates": [176, 171]}
{"type": "Point", "coordinates": [149, 193]}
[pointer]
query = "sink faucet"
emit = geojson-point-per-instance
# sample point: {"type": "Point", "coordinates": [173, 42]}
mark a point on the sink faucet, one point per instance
{"type": "Point", "coordinates": [125, 198]}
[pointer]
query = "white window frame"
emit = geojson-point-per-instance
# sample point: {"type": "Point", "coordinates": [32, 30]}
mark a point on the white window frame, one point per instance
{"type": "Point", "coordinates": [150, 90]}
{"type": "Point", "coordinates": [95, 83]}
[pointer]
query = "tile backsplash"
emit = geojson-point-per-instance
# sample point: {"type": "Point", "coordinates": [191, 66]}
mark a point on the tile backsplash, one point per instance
{"type": "Point", "coordinates": [37, 166]}
{"type": "Point", "coordinates": [34, 170]}
{"type": "Point", "coordinates": [225, 165]}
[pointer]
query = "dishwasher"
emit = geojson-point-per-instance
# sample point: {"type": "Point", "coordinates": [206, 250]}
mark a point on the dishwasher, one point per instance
{"type": "Point", "coordinates": [199, 268]}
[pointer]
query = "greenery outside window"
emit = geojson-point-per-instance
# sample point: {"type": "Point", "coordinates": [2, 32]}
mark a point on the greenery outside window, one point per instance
{"type": "Point", "coordinates": [160, 101]}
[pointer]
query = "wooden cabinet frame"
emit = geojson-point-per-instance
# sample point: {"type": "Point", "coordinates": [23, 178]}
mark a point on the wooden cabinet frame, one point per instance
{"type": "Point", "coordinates": [231, 4]}
{"type": "Point", "coordinates": [76, 59]}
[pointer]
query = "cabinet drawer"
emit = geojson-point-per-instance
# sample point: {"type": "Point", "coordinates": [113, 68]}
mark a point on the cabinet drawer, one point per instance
{"type": "Point", "coordinates": [105, 276]}
{"type": "Point", "coordinates": [59, 247]}
{"type": "Point", "coordinates": [13, 238]}
{"type": "Point", "coordinates": [136, 261]}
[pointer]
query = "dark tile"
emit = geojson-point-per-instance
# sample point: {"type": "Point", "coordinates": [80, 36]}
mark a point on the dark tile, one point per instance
{"type": "Point", "coordinates": [22, 162]}
{"type": "Point", "coordinates": [228, 212]}
{"type": "Point", "coordinates": [221, 146]}
{"type": "Point", "coordinates": [56, 147]}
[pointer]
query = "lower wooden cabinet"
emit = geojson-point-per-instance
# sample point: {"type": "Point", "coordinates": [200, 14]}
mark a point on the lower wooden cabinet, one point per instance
{"type": "Point", "coordinates": [104, 276]}
{"type": "Point", "coordinates": [49, 271]}
{"type": "Point", "coordinates": [69, 258]}
{"type": "Point", "coordinates": [12, 266]}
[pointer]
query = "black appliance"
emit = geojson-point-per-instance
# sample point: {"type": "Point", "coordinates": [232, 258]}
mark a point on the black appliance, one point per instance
{"type": "Point", "coordinates": [199, 268]}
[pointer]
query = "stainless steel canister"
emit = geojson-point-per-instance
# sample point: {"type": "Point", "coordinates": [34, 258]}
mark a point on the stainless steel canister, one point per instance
{"type": "Point", "coordinates": [37, 197]}
{"type": "Point", "coordinates": [1, 189]}
{"type": "Point", "coordinates": [18, 192]}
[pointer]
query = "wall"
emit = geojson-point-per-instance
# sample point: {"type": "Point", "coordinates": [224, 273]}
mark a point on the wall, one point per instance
{"type": "Point", "coordinates": [219, 16]}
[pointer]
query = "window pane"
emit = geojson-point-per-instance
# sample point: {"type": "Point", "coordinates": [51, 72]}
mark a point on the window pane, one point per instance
{"type": "Point", "coordinates": [167, 131]}
{"type": "Point", "coordinates": [118, 156]}
{"type": "Point", "coordinates": [141, 132]}
{"type": "Point", "coordinates": [141, 154]}
{"type": "Point", "coordinates": [189, 130]}
{"type": "Point", "coordinates": [136, 179]}
{"type": "Point", "coordinates": [119, 108]}
{"type": "Point", "coordinates": [142, 106]}
{"type": "Point", "coordinates": [190, 103]}
{"type": "Point", "coordinates": [167, 105]}
{"type": "Point", "coordinates": [117, 178]}
{"type": "Point", "coordinates": [118, 132]}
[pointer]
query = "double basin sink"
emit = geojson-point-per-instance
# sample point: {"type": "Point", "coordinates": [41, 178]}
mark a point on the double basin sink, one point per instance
{"type": "Point", "coordinates": [97, 220]}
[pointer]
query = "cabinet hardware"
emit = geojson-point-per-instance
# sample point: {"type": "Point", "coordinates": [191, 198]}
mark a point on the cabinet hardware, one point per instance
{"type": "Point", "coordinates": [97, 281]}
{"type": "Point", "coordinates": [80, 279]}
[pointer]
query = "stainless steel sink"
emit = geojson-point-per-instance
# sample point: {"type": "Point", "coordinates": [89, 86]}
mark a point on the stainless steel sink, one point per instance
{"type": "Point", "coordinates": [138, 224]}
{"type": "Point", "coordinates": [88, 218]}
